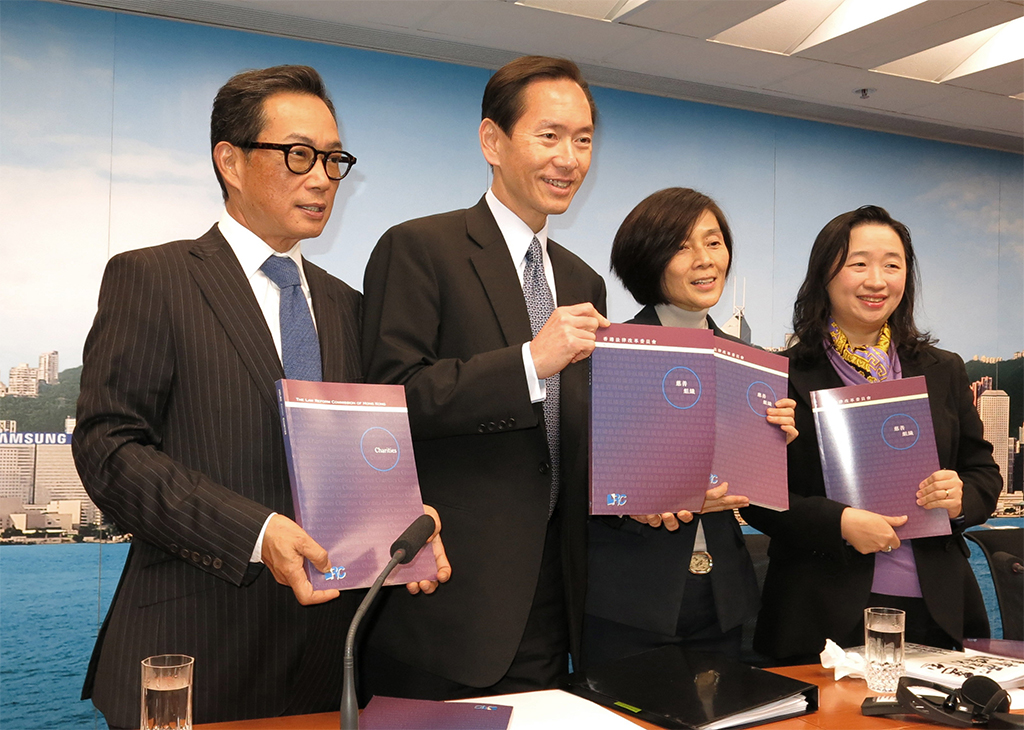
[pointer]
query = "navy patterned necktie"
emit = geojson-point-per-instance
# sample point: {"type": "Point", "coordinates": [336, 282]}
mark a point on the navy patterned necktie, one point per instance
{"type": "Point", "coordinates": [540, 305]}
{"type": "Point", "coordinates": [300, 347]}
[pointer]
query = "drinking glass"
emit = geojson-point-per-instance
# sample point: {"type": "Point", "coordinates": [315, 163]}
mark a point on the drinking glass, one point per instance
{"type": "Point", "coordinates": [167, 692]}
{"type": "Point", "coordinates": [883, 647]}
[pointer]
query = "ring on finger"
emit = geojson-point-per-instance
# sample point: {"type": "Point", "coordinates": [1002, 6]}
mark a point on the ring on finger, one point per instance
{"type": "Point", "coordinates": [888, 548]}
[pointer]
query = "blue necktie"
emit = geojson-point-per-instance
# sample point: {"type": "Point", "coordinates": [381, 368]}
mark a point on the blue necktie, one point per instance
{"type": "Point", "coordinates": [540, 305]}
{"type": "Point", "coordinates": [300, 347]}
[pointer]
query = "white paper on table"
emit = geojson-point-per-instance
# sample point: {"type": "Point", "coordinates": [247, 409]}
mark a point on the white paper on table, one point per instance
{"type": "Point", "coordinates": [553, 709]}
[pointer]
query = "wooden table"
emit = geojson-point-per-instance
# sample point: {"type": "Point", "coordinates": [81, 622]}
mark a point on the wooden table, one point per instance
{"type": "Point", "coordinates": [838, 709]}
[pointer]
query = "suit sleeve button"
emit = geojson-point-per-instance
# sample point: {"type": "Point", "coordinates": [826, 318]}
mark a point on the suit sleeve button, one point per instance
{"type": "Point", "coordinates": [184, 553]}
{"type": "Point", "coordinates": [502, 425]}
{"type": "Point", "coordinates": [511, 422]}
{"type": "Point", "coordinates": [543, 468]}
{"type": "Point", "coordinates": [207, 560]}
{"type": "Point", "coordinates": [195, 557]}
{"type": "Point", "coordinates": [491, 426]}
{"type": "Point", "coordinates": [217, 563]}
{"type": "Point", "coordinates": [482, 428]}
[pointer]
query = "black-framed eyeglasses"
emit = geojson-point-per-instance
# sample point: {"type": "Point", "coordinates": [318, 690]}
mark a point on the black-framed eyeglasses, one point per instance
{"type": "Point", "coordinates": [300, 158]}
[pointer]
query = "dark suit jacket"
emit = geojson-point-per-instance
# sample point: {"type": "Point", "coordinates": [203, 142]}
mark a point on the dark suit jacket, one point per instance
{"type": "Point", "coordinates": [179, 442]}
{"type": "Point", "coordinates": [445, 316]}
{"type": "Point", "coordinates": [637, 574]}
{"type": "Point", "coordinates": [817, 585]}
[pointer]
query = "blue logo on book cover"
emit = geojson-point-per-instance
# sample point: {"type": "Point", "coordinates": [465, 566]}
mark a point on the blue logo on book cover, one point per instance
{"type": "Point", "coordinates": [380, 449]}
{"type": "Point", "coordinates": [900, 431]}
{"type": "Point", "coordinates": [335, 573]}
{"type": "Point", "coordinates": [616, 500]}
{"type": "Point", "coordinates": [760, 396]}
{"type": "Point", "coordinates": [681, 388]}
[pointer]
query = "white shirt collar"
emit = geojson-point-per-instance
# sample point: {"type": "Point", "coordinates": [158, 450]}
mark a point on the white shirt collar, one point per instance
{"type": "Point", "coordinates": [251, 250]}
{"type": "Point", "coordinates": [517, 234]}
{"type": "Point", "coordinates": [673, 316]}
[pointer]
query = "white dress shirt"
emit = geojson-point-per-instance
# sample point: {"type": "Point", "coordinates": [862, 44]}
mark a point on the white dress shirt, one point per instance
{"type": "Point", "coordinates": [251, 252]}
{"type": "Point", "coordinates": [518, 237]}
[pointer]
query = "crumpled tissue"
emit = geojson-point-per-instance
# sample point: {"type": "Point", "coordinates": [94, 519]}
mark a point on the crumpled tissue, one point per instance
{"type": "Point", "coordinates": [846, 663]}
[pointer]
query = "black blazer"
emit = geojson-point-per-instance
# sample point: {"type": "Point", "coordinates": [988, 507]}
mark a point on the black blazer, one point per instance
{"type": "Point", "coordinates": [179, 443]}
{"type": "Point", "coordinates": [445, 316]}
{"type": "Point", "coordinates": [817, 585]}
{"type": "Point", "coordinates": [637, 574]}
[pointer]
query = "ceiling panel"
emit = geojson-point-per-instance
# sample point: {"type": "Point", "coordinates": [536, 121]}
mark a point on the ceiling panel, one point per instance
{"type": "Point", "coordinates": [367, 13]}
{"type": "Point", "coordinates": [696, 18]}
{"type": "Point", "coordinates": [978, 110]}
{"type": "Point", "coordinates": [1006, 80]}
{"type": "Point", "coordinates": [674, 56]}
{"type": "Point", "coordinates": [529, 30]}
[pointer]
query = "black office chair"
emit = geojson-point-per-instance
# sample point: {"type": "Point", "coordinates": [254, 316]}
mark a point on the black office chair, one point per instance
{"type": "Point", "coordinates": [1004, 550]}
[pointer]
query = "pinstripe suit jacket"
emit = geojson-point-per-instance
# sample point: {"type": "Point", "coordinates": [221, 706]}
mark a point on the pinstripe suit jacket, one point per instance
{"type": "Point", "coordinates": [179, 442]}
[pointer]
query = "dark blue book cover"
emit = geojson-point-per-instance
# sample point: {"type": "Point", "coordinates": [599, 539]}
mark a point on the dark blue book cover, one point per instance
{"type": "Point", "coordinates": [652, 419]}
{"type": "Point", "coordinates": [750, 453]}
{"type": "Point", "coordinates": [353, 478]}
{"type": "Point", "coordinates": [877, 445]}
{"type": "Point", "coordinates": [394, 713]}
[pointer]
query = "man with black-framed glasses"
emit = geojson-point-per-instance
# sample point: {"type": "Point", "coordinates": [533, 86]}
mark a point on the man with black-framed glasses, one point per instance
{"type": "Point", "coordinates": [179, 436]}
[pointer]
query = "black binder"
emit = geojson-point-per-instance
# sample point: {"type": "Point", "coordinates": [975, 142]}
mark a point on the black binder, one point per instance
{"type": "Point", "coordinates": [673, 688]}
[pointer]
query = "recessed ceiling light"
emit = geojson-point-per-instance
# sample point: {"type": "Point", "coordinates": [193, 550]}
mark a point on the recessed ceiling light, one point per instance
{"type": "Point", "coordinates": [609, 10]}
{"type": "Point", "coordinates": [996, 46]}
{"type": "Point", "coordinates": [796, 25]}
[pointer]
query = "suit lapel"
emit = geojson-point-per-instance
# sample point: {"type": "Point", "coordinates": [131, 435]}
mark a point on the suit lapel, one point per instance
{"type": "Point", "coordinates": [804, 380]}
{"type": "Point", "coordinates": [498, 275]}
{"type": "Point", "coordinates": [219, 276]}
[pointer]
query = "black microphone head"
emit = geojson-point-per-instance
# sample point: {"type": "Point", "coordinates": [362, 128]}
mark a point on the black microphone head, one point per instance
{"type": "Point", "coordinates": [414, 538]}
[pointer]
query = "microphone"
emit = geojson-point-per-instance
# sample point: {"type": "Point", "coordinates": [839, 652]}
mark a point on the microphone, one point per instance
{"type": "Point", "coordinates": [403, 550]}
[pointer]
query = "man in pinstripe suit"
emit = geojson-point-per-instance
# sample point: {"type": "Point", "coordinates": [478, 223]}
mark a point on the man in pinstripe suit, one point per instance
{"type": "Point", "coordinates": [179, 440]}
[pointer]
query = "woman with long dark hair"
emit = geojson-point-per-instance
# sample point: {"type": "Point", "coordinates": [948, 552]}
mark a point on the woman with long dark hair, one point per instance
{"type": "Point", "coordinates": [684, 579]}
{"type": "Point", "coordinates": [854, 321]}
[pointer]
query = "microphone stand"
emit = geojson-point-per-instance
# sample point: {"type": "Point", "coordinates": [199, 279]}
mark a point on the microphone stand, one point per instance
{"type": "Point", "coordinates": [403, 550]}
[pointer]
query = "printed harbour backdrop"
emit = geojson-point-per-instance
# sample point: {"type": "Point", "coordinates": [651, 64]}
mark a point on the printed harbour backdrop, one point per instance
{"type": "Point", "coordinates": [104, 147]}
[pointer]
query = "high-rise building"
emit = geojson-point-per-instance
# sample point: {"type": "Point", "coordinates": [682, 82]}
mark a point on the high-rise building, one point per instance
{"type": "Point", "coordinates": [69, 424]}
{"type": "Point", "coordinates": [737, 325]}
{"type": "Point", "coordinates": [56, 475]}
{"type": "Point", "coordinates": [994, 407]}
{"type": "Point", "coordinates": [24, 381]}
{"type": "Point", "coordinates": [17, 471]}
{"type": "Point", "coordinates": [3, 389]}
{"type": "Point", "coordinates": [8, 426]}
{"type": "Point", "coordinates": [48, 368]}
{"type": "Point", "coordinates": [980, 386]}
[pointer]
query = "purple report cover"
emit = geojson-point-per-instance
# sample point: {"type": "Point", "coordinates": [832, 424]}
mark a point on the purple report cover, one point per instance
{"type": "Point", "coordinates": [652, 419]}
{"type": "Point", "coordinates": [394, 713]}
{"type": "Point", "coordinates": [877, 444]}
{"type": "Point", "coordinates": [353, 478]}
{"type": "Point", "coordinates": [750, 453]}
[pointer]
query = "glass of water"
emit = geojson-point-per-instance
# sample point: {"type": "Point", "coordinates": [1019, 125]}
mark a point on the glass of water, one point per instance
{"type": "Point", "coordinates": [167, 692]}
{"type": "Point", "coordinates": [883, 647]}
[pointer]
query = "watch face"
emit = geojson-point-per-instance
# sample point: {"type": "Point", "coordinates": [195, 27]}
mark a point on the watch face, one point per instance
{"type": "Point", "coordinates": [700, 563]}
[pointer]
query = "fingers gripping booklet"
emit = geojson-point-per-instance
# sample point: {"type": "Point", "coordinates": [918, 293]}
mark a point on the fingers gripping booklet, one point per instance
{"type": "Point", "coordinates": [877, 445]}
{"type": "Point", "coordinates": [353, 478]}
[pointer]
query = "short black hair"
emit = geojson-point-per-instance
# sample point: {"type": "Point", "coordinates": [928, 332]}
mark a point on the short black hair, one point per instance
{"type": "Point", "coordinates": [503, 96]}
{"type": "Point", "coordinates": [238, 112]}
{"type": "Point", "coordinates": [650, 236]}
{"type": "Point", "coordinates": [813, 308]}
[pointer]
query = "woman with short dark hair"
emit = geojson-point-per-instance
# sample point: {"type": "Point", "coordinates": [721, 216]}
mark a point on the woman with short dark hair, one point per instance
{"type": "Point", "coordinates": [683, 579]}
{"type": "Point", "coordinates": [854, 318]}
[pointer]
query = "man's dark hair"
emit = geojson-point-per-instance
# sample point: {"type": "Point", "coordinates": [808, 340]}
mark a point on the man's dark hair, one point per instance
{"type": "Point", "coordinates": [238, 115]}
{"type": "Point", "coordinates": [503, 97]}
{"type": "Point", "coordinates": [650, 236]}
{"type": "Point", "coordinates": [813, 308]}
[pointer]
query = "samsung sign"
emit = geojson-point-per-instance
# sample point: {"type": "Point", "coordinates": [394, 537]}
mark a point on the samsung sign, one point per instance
{"type": "Point", "coordinates": [34, 439]}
